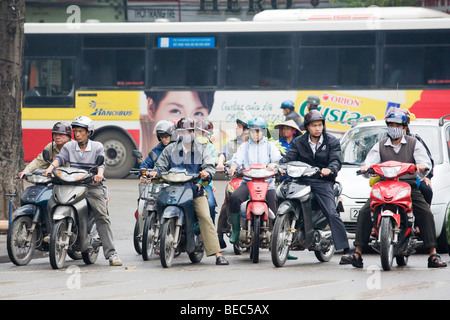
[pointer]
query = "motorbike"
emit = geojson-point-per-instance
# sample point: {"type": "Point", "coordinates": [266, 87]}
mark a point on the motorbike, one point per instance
{"type": "Point", "coordinates": [147, 227]}
{"type": "Point", "coordinates": [31, 220]}
{"type": "Point", "coordinates": [300, 223]}
{"type": "Point", "coordinates": [391, 209]}
{"type": "Point", "coordinates": [255, 212]}
{"type": "Point", "coordinates": [73, 227]}
{"type": "Point", "coordinates": [180, 231]}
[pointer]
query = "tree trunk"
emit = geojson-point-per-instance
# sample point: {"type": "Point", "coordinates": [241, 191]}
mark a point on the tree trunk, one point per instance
{"type": "Point", "coordinates": [12, 17]}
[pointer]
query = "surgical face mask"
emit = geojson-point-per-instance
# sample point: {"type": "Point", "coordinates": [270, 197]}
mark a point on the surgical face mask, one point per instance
{"type": "Point", "coordinates": [201, 139]}
{"type": "Point", "coordinates": [187, 138]}
{"type": "Point", "coordinates": [395, 133]}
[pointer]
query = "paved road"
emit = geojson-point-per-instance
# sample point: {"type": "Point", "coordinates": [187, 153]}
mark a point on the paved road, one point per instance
{"type": "Point", "coordinates": [242, 280]}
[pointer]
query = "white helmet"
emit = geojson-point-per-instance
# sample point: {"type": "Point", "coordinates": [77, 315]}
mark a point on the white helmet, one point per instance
{"type": "Point", "coordinates": [83, 122]}
{"type": "Point", "coordinates": [165, 127]}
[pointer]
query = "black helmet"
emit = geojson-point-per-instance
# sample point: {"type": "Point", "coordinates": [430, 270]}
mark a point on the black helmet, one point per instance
{"type": "Point", "coordinates": [313, 115]}
{"type": "Point", "coordinates": [62, 128]}
{"type": "Point", "coordinates": [185, 124]}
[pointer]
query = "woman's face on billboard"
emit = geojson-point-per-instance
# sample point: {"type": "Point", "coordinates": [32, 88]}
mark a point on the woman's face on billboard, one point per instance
{"type": "Point", "coordinates": [177, 105]}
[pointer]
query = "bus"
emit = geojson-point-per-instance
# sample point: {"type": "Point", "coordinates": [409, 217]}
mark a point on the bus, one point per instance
{"type": "Point", "coordinates": [127, 76]}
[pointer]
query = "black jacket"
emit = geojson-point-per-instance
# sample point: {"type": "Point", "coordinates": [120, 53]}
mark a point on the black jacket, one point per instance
{"type": "Point", "coordinates": [328, 155]}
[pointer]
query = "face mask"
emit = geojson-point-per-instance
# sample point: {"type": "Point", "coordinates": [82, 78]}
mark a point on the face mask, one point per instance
{"type": "Point", "coordinates": [187, 138]}
{"type": "Point", "coordinates": [394, 132]}
{"type": "Point", "coordinates": [201, 139]}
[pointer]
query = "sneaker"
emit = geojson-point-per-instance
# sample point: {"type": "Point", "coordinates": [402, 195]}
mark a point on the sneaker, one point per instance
{"type": "Point", "coordinates": [114, 260]}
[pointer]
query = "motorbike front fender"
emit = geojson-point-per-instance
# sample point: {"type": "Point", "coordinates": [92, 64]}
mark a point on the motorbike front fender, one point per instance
{"type": "Point", "coordinates": [257, 208]}
{"type": "Point", "coordinates": [388, 213]}
{"type": "Point", "coordinates": [62, 212]}
{"type": "Point", "coordinates": [287, 206]}
{"type": "Point", "coordinates": [173, 212]}
{"type": "Point", "coordinates": [27, 210]}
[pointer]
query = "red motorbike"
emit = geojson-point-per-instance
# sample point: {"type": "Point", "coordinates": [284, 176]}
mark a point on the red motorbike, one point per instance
{"type": "Point", "coordinates": [234, 183]}
{"type": "Point", "coordinates": [255, 212]}
{"type": "Point", "coordinates": [391, 208]}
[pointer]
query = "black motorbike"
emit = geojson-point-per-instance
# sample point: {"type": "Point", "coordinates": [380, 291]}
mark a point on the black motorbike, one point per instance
{"type": "Point", "coordinates": [300, 224]}
{"type": "Point", "coordinates": [31, 220]}
{"type": "Point", "coordinates": [180, 231]}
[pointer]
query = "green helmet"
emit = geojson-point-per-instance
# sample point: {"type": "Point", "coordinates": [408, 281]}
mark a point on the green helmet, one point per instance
{"type": "Point", "coordinates": [243, 118]}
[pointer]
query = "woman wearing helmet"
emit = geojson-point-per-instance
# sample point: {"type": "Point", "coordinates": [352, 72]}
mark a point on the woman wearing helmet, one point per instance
{"type": "Point", "coordinates": [257, 150]}
{"type": "Point", "coordinates": [61, 134]}
{"type": "Point", "coordinates": [322, 150]}
{"type": "Point", "coordinates": [166, 133]}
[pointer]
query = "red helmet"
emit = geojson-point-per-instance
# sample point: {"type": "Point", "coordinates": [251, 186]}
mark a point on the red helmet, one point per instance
{"type": "Point", "coordinates": [62, 128]}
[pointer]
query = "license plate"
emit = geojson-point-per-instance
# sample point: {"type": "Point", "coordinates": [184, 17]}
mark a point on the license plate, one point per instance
{"type": "Point", "coordinates": [354, 213]}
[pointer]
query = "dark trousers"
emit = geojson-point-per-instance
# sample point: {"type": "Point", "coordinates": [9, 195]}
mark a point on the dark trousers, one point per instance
{"type": "Point", "coordinates": [242, 193]}
{"type": "Point", "coordinates": [324, 193]}
{"type": "Point", "coordinates": [423, 219]}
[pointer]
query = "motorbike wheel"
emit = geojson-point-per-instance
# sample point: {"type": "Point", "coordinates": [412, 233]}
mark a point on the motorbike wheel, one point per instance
{"type": "Point", "coordinates": [386, 246]}
{"type": "Point", "coordinates": [278, 247]}
{"type": "Point", "coordinates": [19, 251]}
{"type": "Point", "coordinates": [326, 254]}
{"type": "Point", "coordinates": [136, 238]}
{"type": "Point", "coordinates": [90, 257]}
{"type": "Point", "coordinates": [167, 243]}
{"type": "Point", "coordinates": [197, 255]}
{"type": "Point", "coordinates": [58, 251]}
{"type": "Point", "coordinates": [255, 246]}
{"type": "Point", "coordinates": [148, 245]}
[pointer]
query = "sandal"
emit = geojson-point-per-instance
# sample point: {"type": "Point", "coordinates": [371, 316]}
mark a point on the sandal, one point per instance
{"type": "Point", "coordinates": [221, 261]}
{"type": "Point", "coordinates": [435, 261]}
{"type": "Point", "coordinates": [350, 258]}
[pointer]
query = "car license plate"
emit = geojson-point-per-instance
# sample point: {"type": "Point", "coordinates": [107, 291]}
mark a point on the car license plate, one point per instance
{"type": "Point", "coordinates": [354, 213]}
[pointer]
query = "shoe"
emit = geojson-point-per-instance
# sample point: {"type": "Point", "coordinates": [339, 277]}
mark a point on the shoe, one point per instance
{"type": "Point", "coordinates": [291, 257]}
{"type": "Point", "coordinates": [435, 261]}
{"type": "Point", "coordinates": [114, 260]}
{"type": "Point", "coordinates": [221, 261]}
{"type": "Point", "coordinates": [236, 224]}
{"type": "Point", "coordinates": [350, 258]}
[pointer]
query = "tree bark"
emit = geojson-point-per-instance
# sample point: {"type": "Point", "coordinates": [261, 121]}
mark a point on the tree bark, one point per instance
{"type": "Point", "coordinates": [12, 17]}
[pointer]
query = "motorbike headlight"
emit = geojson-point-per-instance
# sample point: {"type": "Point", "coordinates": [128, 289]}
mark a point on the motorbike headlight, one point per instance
{"type": "Point", "coordinates": [35, 178]}
{"type": "Point", "coordinates": [295, 171]}
{"type": "Point", "coordinates": [377, 194]}
{"type": "Point", "coordinates": [71, 176]}
{"type": "Point", "coordinates": [390, 172]}
{"type": "Point", "coordinates": [258, 173]}
{"type": "Point", "coordinates": [402, 193]}
{"type": "Point", "coordinates": [176, 177]}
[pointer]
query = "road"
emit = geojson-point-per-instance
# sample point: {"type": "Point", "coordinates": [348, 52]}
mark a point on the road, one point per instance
{"type": "Point", "coordinates": [305, 278]}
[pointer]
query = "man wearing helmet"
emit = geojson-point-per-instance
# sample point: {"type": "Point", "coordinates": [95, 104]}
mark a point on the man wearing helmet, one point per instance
{"type": "Point", "coordinates": [313, 102]}
{"type": "Point", "coordinates": [257, 150]}
{"type": "Point", "coordinates": [187, 154]}
{"type": "Point", "coordinates": [61, 134]}
{"type": "Point", "coordinates": [399, 147]}
{"type": "Point", "coordinates": [288, 107]}
{"type": "Point", "coordinates": [322, 150]}
{"type": "Point", "coordinates": [82, 153]}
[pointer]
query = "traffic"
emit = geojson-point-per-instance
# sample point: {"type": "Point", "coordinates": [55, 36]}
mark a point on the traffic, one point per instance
{"type": "Point", "coordinates": [283, 195]}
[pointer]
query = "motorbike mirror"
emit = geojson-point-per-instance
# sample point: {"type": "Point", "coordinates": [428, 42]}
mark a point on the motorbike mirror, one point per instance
{"type": "Point", "coordinates": [99, 161]}
{"type": "Point", "coordinates": [137, 154]}
{"type": "Point", "coordinates": [153, 156]}
{"type": "Point", "coordinates": [46, 155]}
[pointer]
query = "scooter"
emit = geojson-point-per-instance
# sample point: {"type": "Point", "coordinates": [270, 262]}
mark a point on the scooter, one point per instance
{"type": "Point", "coordinates": [31, 221]}
{"type": "Point", "coordinates": [391, 209]}
{"type": "Point", "coordinates": [255, 212]}
{"type": "Point", "coordinates": [147, 227]}
{"type": "Point", "coordinates": [180, 231]}
{"type": "Point", "coordinates": [73, 227]}
{"type": "Point", "coordinates": [300, 224]}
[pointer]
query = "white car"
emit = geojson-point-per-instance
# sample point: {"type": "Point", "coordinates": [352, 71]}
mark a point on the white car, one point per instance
{"type": "Point", "coordinates": [357, 142]}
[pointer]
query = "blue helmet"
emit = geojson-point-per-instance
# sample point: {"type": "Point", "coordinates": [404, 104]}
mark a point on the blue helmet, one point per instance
{"type": "Point", "coordinates": [288, 104]}
{"type": "Point", "coordinates": [257, 123]}
{"type": "Point", "coordinates": [397, 116]}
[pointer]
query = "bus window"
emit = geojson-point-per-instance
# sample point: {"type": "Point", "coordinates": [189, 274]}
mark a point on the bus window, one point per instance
{"type": "Point", "coordinates": [337, 60]}
{"type": "Point", "coordinates": [113, 68]}
{"type": "Point", "coordinates": [403, 66]}
{"type": "Point", "coordinates": [49, 83]}
{"type": "Point", "coordinates": [185, 68]}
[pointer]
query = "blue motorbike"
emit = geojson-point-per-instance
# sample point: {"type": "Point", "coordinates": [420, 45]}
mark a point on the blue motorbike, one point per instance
{"type": "Point", "coordinates": [31, 220]}
{"type": "Point", "coordinates": [180, 231]}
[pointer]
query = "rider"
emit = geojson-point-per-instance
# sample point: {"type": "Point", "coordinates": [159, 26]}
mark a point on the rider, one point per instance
{"type": "Point", "coordinates": [61, 134]}
{"type": "Point", "coordinates": [242, 118]}
{"type": "Point", "coordinates": [288, 107]}
{"type": "Point", "coordinates": [313, 102]}
{"type": "Point", "coordinates": [399, 147]}
{"type": "Point", "coordinates": [289, 131]}
{"type": "Point", "coordinates": [195, 158]}
{"type": "Point", "coordinates": [257, 150]}
{"type": "Point", "coordinates": [82, 153]}
{"type": "Point", "coordinates": [318, 148]}
{"type": "Point", "coordinates": [203, 131]}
